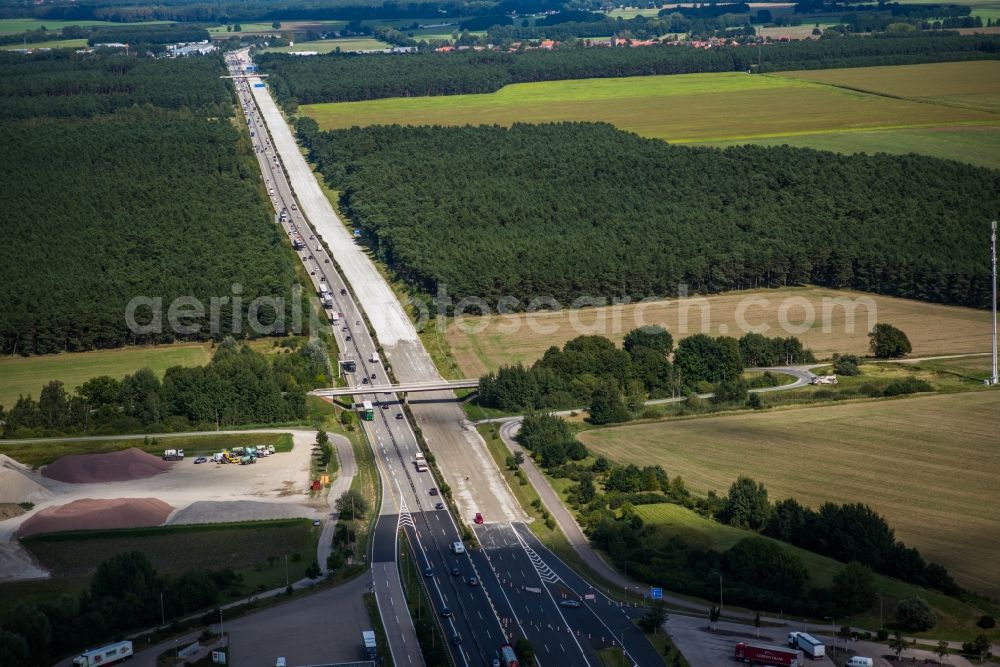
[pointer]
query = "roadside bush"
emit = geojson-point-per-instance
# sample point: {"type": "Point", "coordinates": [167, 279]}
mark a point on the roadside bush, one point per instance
{"type": "Point", "coordinates": [986, 622]}
{"type": "Point", "coordinates": [978, 647]}
{"type": "Point", "coordinates": [847, 364]}
{"type": "Point", "coordinates": [906, 386]}
{"type": "Point", "coordinates": [915, 615]}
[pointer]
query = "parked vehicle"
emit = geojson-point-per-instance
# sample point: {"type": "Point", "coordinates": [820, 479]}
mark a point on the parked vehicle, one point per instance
{"type": "Point", "coordinates": [200, 459]}
{"type": "Point", "coordinates": [173, 455]}
{"type": "Point", "coordinates": [860, 661]}
{"type": "Point", "coordinates": [106, 655]}
{"type": "Point", "coordinates": [371, 646]}
{"type": "Point", "coordinates": [811, 646]}
{"type": "Point", "coordinates": [478, 518]}
{"type": "Point", "coordinates": [767, 654]}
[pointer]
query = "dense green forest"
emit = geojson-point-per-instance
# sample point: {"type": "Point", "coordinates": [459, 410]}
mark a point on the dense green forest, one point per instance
{"type": "Point", "coordinates": [161, 198]}
{"type": "Point", "coordinates": [340, 78]}
{"type": "Point", "coordinates": [572, 209]}
{"type": "Point", "coordinates": [239, 386]}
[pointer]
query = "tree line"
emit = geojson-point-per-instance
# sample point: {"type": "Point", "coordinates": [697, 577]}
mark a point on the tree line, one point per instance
{"type": "Point", "coordinates": [155, 34]}
{"type": "Point", "coordinates": [129, 11]}
{"type": "Point", "coordinates": [350, 77]}
{"type": "Point", "coordinates": [637, 217]}
{"type": "Point", "coordinates": [239, 386]}
{"type": "Point", "coordinates": [615, 383]}
{"type": "Point", "coordinates": [126, 177]}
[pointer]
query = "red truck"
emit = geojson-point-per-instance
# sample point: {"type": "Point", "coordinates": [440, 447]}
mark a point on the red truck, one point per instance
{"type": "Point", "coordinates": [767, 654]}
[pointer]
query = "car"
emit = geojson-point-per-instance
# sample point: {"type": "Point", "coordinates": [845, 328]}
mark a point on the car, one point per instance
{"type": "Point", "coordinates": [326, 261]}
{"type": "Point", "coordinates": [472, 581]}
{"type": "Point", "coordinates": [478, 519]}
{"type": "Point", "coordinates": [358, 322]}
{"type": "Point", "coordinates": [455, 572]}
{"type": "Point", "coordinates": [373, 376]}
{"type": "Point", "coordinates": [348, 338]}
{"type": "Point", "coordinates": [316, 522]}
{"type": "Point", "coordinates": [446, 612]}
{"type": "Point", "coordinates": [495, 662]}
{"type": "Point", "coordinates": [433, 491]}
{"type": "Point", "coordinates": [364, 380]}
{"type": "Point", "coordinates": [428, 571]}
{"type": "Point", "coordinates": [570, 603]}
{"type": "Point", "coordinates": [294, 207]}
{"type": "Point", "coordinates": [385, 406]}
{"type": "Point", "coordinates": [456, 640]}
{"type": "Point", "coordinates": [313, 272]}
{"type": "Point", "coordinates": [439, 506]}
{"type": "Point", "coordinates": [201, 459]}
{"type": "Point", "coordinates": [399, 415]}
{"type": "Point", "coordinates": [345, 328]}
{"type": "Point", "coordinates": [312, 236]}
{"type": "Point", "coordinates": [343, 291]}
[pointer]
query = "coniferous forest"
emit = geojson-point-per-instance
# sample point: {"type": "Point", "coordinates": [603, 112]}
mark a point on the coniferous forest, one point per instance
{"type": "Point", "coordinates": [572, 209]}
{"type": "Point", "coordinates": [124, 177]}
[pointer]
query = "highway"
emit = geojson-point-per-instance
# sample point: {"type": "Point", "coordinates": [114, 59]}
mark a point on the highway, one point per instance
{"type": "Point", "coordinates": [407, 501]}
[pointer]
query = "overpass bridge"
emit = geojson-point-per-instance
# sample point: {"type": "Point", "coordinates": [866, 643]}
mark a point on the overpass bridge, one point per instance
{"type": "Point", "coordinates": [405, 387]}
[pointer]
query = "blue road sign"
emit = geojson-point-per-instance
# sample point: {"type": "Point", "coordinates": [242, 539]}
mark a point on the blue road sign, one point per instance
{"type": "Point", "coordinates": [656, 593]}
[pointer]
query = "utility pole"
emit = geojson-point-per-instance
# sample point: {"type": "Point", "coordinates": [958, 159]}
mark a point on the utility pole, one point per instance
{"type": "Point", "coordinates": [163, 616]}
{"type": "Point", "coordinates": [994, 379]}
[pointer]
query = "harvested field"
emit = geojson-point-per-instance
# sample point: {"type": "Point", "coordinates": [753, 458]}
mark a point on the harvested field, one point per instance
{"type": "Point", "coordinates": [928, 464]}
{"type": "Point", "coordinates": [97, 515]}
{"type": "Point", "coordinates": [481, 344]}
{"type": "Point", "coordinates": [96, 468]}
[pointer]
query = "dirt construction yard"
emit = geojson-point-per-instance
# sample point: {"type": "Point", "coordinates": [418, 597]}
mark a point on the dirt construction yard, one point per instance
{"type": "Point", "coordinates": [145, 491]}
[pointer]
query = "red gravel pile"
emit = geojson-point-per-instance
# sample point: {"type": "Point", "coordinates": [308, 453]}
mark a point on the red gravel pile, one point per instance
{"type": "Point", "coordinates": [114, 467]}
{"type": "Point", "coordinates": [92, 514]}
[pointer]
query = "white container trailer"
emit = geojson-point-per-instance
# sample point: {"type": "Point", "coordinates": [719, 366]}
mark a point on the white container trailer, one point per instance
{"type": "Point", "coordinates": [106, 655]}
{"type": "Point", "coordinates": [811, 646]}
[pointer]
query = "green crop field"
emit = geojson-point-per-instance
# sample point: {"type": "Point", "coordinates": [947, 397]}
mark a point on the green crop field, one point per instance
{"type": "Point", "coordinates": [971, 85]}
{"type": "Point", "coordinates": [39, 454]}
{"type": "Point", "coordinates": [976, 145]}
{"type": "Point", "coordinates": [54, 44]}
{"type": "Point", "coordinates": [928, 464]}
{"type": "Point", "coordinates": [955, 618]}
{"type": "Point", "coordinates": [8, 26]}
{"type": "Point", "coordinates": [27, 375]}
{"type": "Point", "coordinates": [328, 45]}
{"type": "Point", "coordinates": [957, 97]}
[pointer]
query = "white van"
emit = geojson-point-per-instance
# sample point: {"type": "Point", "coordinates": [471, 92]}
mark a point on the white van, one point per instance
{"type": "Point", "coordinates": [457, 547]}
{"type": "Point", "coordinates": [280, 663]}
{"type": "Point", "coordinates": [858, 661]}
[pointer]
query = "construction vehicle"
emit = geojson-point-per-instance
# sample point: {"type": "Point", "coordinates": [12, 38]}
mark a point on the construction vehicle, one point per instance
{"type": "Point", "coordinates": [106, 655]}
{"type": "Point", "coordinates": [173, 455]}
{"type": "Point", "coordinates": [238, 451]}
{"type": "Point", "coordinates": [247, 460]}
